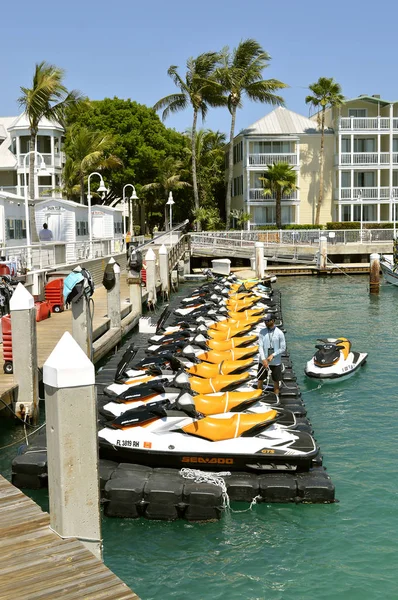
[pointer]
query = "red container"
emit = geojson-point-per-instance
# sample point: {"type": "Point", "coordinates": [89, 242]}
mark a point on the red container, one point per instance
{"type": "Point", "coordinates": [54, 294]}
{"type": "Point", "coordinates": [143, 276]}
{"type": "Point", "coordinates": [43, 310]}
{"type": "Point", "coordinates": [7, 343]}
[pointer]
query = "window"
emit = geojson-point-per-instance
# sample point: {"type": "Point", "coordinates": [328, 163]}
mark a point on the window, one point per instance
{"type": "Point", "coordinates": [238, 152]}
{"type": "Point", "coordinates": [345, 145]}
{"type": "Point", "coordinates": [237, 186]}
{"type": "Point", "coordinates": [16, 229]}
{"type": "Point", "coordinates": [395, 145]}
{"type": "Point", "coordinates": [10, 225]}
{"type": "Point", "coordinates": [346, 213]}
{"type": "Point", "coordinates": [345, 179]}
{"type": "Point", "coordinates": [364, 145]}
{"type": "Point", "coordinates": [364, 179]}
{"type": "Point", "coordinates": [81, 227]}
{"type": "Point", "coordinates": [357, 112]}
{"type": "Point", "coordinates": [118, 227]}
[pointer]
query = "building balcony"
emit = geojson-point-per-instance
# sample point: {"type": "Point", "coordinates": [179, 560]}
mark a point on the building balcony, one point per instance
{"type": "Point", "coordinates": [256, 195]}
{"type": "Point", "coordinates": [58, 162]}
{"type": "Point", "coordinates": [366, 193]}
{"type": "Point", "coordinates": [383, 124]}
{"type": "Point", "coordinates": [262, 160]}
{"type": "Point", "coordinates": [366, 158]}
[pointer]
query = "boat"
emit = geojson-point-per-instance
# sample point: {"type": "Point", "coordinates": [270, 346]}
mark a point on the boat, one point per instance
{"type": "Point", "coordinates": [333, 359]}
{"type": "Point", "coordinates": [389, 269]}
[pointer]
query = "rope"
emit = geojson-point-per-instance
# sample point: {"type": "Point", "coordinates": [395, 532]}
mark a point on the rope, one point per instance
{"type": "Point", "coordinates": [23, 439]}
{"type": "Point", "coordinates": [313, 390]}
{"type": "Point", "coordinates": [216, 479]}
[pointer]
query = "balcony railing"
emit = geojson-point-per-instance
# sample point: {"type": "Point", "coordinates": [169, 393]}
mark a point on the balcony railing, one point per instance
{"type": "Point", "coordinates": [365, 158]}
{"type": "Point", "coordinates": [45, 191]}
{"type": "Point", "coordinates": [366, 123]}
{"type": "Point", "coordinates": [9, 188]}
{"type": "Point", "coordinates": [262, 160]}
{"type": "Point", "coordinates": [367, 193]}
{"type": "Point", "coordinates": [257, 195]}
{"type": "Point", "coordinates": [59, 159]}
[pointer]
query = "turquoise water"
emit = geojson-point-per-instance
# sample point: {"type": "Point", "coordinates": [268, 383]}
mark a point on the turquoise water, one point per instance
{"type": "Point", "coordinates": [343, 551]}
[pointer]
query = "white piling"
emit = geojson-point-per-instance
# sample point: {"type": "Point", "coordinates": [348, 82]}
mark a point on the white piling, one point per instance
{"type": "Point", "coordinates": [113, 298]}
{"type": "Point", "coordinates": [164, 270]}
{"type": "Point", "coordinates": [150, 260]}
{"type": "Point", "coordinates": [81, 324]}
{"type": "Point", "coordinates": [259, 250]}
{"type": "Point", "coordinates": [135, 292]}
{"type": "Point", "coordinates": [323, 252]}
{"type": "Point", "coordinates": [72, 444]}
{"type": "Point", "coordinates": [24, 352]}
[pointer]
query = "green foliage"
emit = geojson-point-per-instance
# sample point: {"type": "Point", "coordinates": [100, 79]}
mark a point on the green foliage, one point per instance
{"type": "Point", "coordinates": [357, 225]}
{"type": "Point", "coordinates": [209, 218]}
{"type": "Point", "coordinates": [303, 226]}
{"type": "Point", "coordinates": [279, 179]}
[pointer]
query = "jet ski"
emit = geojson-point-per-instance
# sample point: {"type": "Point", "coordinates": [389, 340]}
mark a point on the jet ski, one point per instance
{"type": "Point", "coordinates": [333, 359]}
{"type": "Point", "coordinates": [159, 436]}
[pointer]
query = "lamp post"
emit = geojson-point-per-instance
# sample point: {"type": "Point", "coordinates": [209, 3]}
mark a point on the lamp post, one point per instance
{"type": "Point", "coordinates": [131, 216]}
{"type": "Point", "coordinates": [170, 203]}
{"type": "Point", "coordinates": [102, 188]}
{"type": "Point", "coordinates": [394, 217]}
{"type": "Point", "coordinates": [359, 197]}
{"type": "Point", "coordinates": [42, 171]}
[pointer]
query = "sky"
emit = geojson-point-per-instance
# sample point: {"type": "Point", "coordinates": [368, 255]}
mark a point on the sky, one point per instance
{"type": "Point", "coordinates": [124, 48]}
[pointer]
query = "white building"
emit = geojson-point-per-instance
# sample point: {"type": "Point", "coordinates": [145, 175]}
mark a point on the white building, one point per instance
{"type": "Point", "coordinates": [14, 159]}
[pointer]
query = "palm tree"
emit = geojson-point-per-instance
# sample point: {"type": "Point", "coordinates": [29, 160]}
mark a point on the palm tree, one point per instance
{"type": "Point", "coordinates": [200, 91]}
{"type": "Point", "coordinates": [326, 94]}
{"type": "Point", "coordinates": [48, 98]}
{"type": "Point", "coordinates": [88, 151]}
{"type": "Point", "coordinates": [279, 179]}
{"type": "Point", "coordinates": [167, 180]}
{"type": "Point", "coordinates": [209, 154]}
{"type": "Point", "coordinates": [241, 74]}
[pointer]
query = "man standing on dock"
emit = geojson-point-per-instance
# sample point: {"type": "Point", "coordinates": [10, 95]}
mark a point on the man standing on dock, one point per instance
{"type": "Point", "coordinates": [272, 344]}
{"type": "Point", "coordinates": [45, 234]}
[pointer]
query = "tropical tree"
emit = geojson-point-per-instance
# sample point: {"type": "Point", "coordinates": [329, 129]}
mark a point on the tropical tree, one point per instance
{"type": "Point", "coordinates": [200, 91]}
{"type": "Point", "coordinates": [279, 179]}
{"type": "Point", "coordinates": [88, 151]}
{"type": "Point", "coordinates": [240, 74]}
{"type": "Point", "coordinates": [167, 180]}
{"type": "Point", "coordinates": [48, 98]}
{"type": "Point", "coordinates": [209, 152]}
{"type": "Point", "coordinates": [326, 93]}
{"type": "Point", "coordinates": [240, 217]}
{"type": "Point", "coordinates": [209, 217]}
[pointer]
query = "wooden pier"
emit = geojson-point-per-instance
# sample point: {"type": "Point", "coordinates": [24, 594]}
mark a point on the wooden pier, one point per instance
{"type": "Point", "coordinates": [37, 563]}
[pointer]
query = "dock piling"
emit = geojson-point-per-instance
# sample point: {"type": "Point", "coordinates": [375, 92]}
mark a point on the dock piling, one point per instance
{"type": "Point", "coordinates": [164, 270]}
{"type": "Point", "coordinates": [113, 297]}
{"type": "Point", "coordinates": [259, 253]}
{"type": "Point", "coordinates": [24, 353]}
{"type": "Point", "coordinates": [374, 274]}
{"type": "Point", "coordinates": [72, 444]}
{"type": "Point", "coordinates": [82, 325]}
{"type": "Point", "coordinates": [150, 259]}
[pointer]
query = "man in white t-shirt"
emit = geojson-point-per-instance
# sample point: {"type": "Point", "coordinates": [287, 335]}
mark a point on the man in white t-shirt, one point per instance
{"type": "Point", "coordinates": [45, 235]}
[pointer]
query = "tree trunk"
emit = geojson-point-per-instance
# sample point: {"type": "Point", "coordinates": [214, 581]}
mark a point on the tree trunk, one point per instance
{"type": "Point", "coordinates": [278, 208]}
{"type": "Point", "coordinates": [32, 156]}
{"type": "Point", "coordinates": [194, 174]}
{"type": "Point", "coordinates": [81, 181]}
{"type": "Point", "coordinates": [230, 170]}
{"type": "Point", "coordinates": [321, 176]}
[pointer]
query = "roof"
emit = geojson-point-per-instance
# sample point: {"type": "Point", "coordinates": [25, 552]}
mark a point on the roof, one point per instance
{"type": "Point", "coordinates": [8, 160]}
{"type": "Point", "coordinates": [282, 121]}
{"type": "Point", "coordinates": [62, 201]}
{"type": "Point", "coordinates": [13, 197]}
{"type": "Point", "coordinates": [22, 122]}
{"type": "Point", "coordinates": [372, 99]}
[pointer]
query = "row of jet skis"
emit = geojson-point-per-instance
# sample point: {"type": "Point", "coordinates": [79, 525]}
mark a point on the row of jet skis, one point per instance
{"type": "Point", "coordinates": [193, 400]}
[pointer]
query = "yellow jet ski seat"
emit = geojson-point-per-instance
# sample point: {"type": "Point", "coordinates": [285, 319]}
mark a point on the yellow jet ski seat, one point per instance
{"type": "Point", "coordinates": [226, 367]}
{"type": "Point", "coordinates": [217, 429]}
{"type": "Point", "coordinates": [227, 402]}
{"type": "Point", "coordinates": [228, 323]}
{"type": "Point", "coordinates": [234, 354]}
{"type": "Point", "coordinates": [246, 314]}
{"type": "Point", "coordinates": [229, 333]}
{"type": "Point", "coordinates": [220, 383]}
{"type": "Point", "coordinates": [236, 342]}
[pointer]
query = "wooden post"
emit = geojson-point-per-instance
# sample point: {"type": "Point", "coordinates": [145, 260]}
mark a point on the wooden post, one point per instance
{"type": "Point", "coordinates": [72, 444]}
{"type": "Point", "coordinates": [113, 298]}
{"type": "Point", "coordinates": [374, 274]}
{"type": "Point", "coordinates": [81, 325]}
{"type": "Point", "coordinates": [164, 270]}
{"type": "Point", "coordinates": [259, 253]}
{"type": "Point", "coordinates": [24, 353]}
{"type": "Point", "coordinates": [150, 260]}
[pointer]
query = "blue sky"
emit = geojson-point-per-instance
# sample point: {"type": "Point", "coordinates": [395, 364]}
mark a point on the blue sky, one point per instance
{"type": "Point", "coordinates": [124, 48]}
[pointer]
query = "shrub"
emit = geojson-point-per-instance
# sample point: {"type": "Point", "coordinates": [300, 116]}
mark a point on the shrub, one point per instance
{"type": "Point", "coordinates": [304, 226]}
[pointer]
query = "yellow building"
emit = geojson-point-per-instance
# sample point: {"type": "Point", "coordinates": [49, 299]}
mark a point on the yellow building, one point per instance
{"type": "Point", "coordinates": [361, 164]}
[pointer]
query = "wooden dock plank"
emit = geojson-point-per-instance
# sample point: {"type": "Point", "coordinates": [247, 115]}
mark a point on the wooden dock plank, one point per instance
{"type": "Point", "coordinates": [36, 564]}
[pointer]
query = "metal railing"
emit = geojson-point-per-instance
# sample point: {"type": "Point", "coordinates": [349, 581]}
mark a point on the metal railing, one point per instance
{"type": "Point", "coordinates": [257, 194]}
{"type": "Point", "coordinates": [356, 123]}
{"type": "Point", "coordinates": [269, 159]}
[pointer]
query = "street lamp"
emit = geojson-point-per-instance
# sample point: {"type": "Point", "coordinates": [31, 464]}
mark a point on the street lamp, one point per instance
{"type": "Point", "coordinates": [131, 216]}
{"type": "Point", "coordinates": [170, 203]}
{"type": "Point", "coordinates": [102, 188]}
{"type": "Point", "coordinates": [359, 197]}
{"type": "Point", "coordinates": [42, 171]}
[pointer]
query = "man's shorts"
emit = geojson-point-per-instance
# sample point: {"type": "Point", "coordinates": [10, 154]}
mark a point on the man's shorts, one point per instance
{"type": "Point", "coordinates": [276, 372]}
